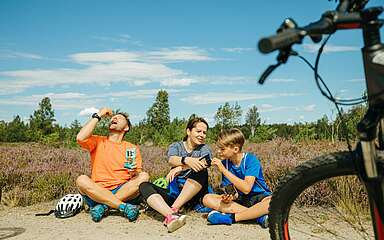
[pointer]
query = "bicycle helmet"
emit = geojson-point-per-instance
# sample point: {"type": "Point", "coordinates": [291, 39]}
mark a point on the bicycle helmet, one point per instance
{"type": "Point", "coordinates": [161, 182]}
{"type": "Point", "coordinates": [69, 206]}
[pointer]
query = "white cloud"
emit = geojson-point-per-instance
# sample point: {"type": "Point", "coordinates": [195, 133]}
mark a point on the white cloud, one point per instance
{"type": "Point", "coordinates": [14, 54]}
{"type": "Point", "coordinates": [269, 108]}
{"type": "Point", "coordinates": [179, 54]}
{"type": "Point", "coordinates": [122, 38]}
{"type": "Point", "coordinates": [71, 100]}
{"type": "Point", "coordinates": [105, 68]}
{"type": "Point", "coordinates": [88, 111]}
{"type": "Point", "coordinates": [238, 50]}
{"type": "Point", "coordinates": [177, 82]}
{"type": "Point", "coordinates": [132, 73]}
{"type": "Point", "coordinates": [105, 57]}
{"type": "Point", "coordinates": [312, 48]}
{"type": "Point", "coordinates": [215, 97]}
{"type": "Point", "coordinates": [358, 80]}
{"type": "Point", "coordinates": [309, 108]}
{"type": "Point", "coordinates": [282, 80]}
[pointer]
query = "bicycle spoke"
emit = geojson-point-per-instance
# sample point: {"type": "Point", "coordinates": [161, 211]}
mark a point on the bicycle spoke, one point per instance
{"type": "Point", "coordinates": [335, 216]}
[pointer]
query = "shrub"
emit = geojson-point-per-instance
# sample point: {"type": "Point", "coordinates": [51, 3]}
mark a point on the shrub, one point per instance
{"type": "Point", "coordinates": [30, 173]}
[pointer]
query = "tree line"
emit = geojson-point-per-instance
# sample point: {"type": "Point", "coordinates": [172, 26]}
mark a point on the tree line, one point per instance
{"type": "Point", "coordinates": [158, 128]}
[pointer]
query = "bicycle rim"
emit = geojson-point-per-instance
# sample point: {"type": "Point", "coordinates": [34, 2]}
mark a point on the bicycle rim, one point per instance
{"type": "Point", "coordinates": [321, 199]}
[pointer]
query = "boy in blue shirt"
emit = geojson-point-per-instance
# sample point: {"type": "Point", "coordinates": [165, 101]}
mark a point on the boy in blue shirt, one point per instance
{"type": "Point", "coordinates": [251, 198]}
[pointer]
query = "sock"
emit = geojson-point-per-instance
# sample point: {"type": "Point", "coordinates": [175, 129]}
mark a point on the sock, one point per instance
{"type": "Point", "coordinates": [122, 207]}
{"type": "Point", "coordinates": [232, 215]}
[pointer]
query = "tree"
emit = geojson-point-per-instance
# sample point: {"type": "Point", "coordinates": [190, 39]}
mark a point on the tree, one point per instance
{"type": "Point", "coordinates": [16, 130]}
{"type": "Point", "coordinates": [43, 118]}
{"type": "Point", "coordinates": [263, 133]}
{"type": "Point", "coordinates": [158, 114]}
{"type": "Point", "coordinates": [228, 116]}
{"type": "Point", "coordinates": [252, 119]}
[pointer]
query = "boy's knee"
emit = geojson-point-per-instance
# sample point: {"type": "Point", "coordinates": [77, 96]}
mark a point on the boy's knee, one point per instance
{"type": "Point", "coordinates": [206, 199]}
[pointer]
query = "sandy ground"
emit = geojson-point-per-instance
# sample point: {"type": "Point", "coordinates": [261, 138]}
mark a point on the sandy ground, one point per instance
{"type": "Point", "coordinates": [21, 223]}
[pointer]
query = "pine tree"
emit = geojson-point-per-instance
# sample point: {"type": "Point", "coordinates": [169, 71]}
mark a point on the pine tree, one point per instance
{"type": "Point", "coordinates": [43, 118]}
{"type": "Point", "coordinates": [228, 116]}
{"type": "Point", "coordinates": [158, 114]}
{"type": "Point", "coordinates": [252, 120]}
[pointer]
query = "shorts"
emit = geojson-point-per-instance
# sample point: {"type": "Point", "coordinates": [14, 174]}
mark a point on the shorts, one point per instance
{"type": "Point", "coordinates": [91, 203]}
{"type": "Point", "coordinates": [250, 200]}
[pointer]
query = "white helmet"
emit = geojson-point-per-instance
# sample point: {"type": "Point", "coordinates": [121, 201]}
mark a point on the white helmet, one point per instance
{"type": "Point", "coordinates": [69, 205]}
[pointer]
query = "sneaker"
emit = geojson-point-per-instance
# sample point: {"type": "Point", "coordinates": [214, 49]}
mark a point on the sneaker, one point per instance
{"type": "Point", "coordinates": [200, 208]}
{"type": "Point", "coordinates": [98, 212]}
{"type": "Point", "coordinates": [174, 221]}
{"type": "Point", "coordinates": [263, 221]}
{"type": "Point", "coordinates": [129, 211]}
{"type": "Point", "coordinates": [216, 217]}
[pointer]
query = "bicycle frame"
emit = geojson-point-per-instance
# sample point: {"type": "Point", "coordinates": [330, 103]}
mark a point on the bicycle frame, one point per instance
{"type": "Point", "coordinates": [351, 15]}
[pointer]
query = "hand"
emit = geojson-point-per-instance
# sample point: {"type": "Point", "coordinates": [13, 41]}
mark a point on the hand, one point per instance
{"type": "Point", "coordinates": [227, 198]}
{"type": "Point", "coordinates": [173, 173]}
{"type": "Point", "coordinates": [217, 162]}
{"type": "Point", "coordinates": [195, 164]}
{"type": "Point", "coordinates": [105, 112]}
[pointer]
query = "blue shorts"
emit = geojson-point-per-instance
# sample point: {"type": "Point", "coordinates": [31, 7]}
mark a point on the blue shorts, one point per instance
{"type": "Point", "coordinates": [91, 203]}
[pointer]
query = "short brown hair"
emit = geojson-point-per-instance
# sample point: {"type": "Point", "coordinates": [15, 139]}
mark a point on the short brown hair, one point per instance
{"type": "Point", "coordinates": [231, 137]}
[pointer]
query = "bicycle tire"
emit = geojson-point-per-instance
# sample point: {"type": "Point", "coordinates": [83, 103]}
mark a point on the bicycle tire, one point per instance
{"type": "Point", "coordinates": [304, 176]}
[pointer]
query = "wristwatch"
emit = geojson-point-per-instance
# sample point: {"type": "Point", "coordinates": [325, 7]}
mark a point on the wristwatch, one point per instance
{"type": "Point", "coordinates": [95, 115]}
{"type": "Point", "coordinates": [183, 160]}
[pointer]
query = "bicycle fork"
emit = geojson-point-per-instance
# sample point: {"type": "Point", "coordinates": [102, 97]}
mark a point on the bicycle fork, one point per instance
{"type": "Point", "coordinates": [371, 172]}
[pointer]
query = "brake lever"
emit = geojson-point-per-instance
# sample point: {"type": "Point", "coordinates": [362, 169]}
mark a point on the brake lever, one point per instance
{"type": "Point", "coordinates": [267, 72]}
{"type": "Point", "coordinates": [283, 56]}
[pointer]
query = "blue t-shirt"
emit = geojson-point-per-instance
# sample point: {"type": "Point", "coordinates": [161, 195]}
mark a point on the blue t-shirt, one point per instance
{"type": "Point", "coordinates": [249, 166]}
{"type": "Point", "coordinates": [178, 149]}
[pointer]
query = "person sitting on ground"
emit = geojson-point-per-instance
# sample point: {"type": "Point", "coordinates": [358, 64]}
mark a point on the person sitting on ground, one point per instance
{"type": "Point", "coordinates": [188, 178]}
{"type": "Point", "coordinates": [251, 196]}
{"type": "Point", "coordinates": [116, 168]}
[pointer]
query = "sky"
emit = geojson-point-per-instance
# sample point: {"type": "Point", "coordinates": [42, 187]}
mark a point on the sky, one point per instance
{"type": "Point", "coordinates": [89, 54]}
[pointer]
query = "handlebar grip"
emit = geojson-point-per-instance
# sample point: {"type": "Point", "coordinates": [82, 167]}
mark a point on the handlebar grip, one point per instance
{"type": "Point", "coordinates": [280, 40]}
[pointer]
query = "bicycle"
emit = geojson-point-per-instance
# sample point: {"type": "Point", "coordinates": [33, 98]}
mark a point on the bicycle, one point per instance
{"type": "Point", "coordinates": [331, 181]}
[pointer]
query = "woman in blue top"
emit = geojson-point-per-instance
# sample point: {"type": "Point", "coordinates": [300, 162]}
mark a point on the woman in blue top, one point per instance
{"type": "Point", "coordinates": [250, 197]}
{"type": "Point", "coordinates": [188, 178]}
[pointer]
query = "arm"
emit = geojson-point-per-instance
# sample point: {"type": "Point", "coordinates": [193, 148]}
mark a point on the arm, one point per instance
{"type": "Point", "coordinates": [190, 162]}
{"type": "Point", "coordinates": [87, 129]}
{"type": "Point", "coordinates": [244, 186]}
{"type": "Point", "coordinates": [174, 159]}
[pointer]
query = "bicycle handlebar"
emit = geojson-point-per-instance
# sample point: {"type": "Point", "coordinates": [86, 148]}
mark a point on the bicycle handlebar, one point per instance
{"type": "Point", "coordinates": [330, 21]}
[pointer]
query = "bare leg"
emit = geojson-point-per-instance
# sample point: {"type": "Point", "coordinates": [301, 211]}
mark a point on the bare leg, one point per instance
{"type": "Point", "coordinates": [157, 202]}
{"type": "Point", "coordinates": [130, 189]}
{"type": "Point", "coordinates": [214, 201]}
{"type": "Point", "coordinates": [97, 193]}
{"type": "Point", "coordinates": [190, 189]}
{"type": "Point", "coordinates": [257, 210]}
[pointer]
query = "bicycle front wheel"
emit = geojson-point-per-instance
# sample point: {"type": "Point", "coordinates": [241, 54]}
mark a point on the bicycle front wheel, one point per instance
{"type": "Point", "coordinates": [321, 199]}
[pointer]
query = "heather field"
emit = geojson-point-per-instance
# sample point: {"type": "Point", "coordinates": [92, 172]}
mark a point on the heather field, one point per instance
{"type": "Point", "coordinates": [32, 173]}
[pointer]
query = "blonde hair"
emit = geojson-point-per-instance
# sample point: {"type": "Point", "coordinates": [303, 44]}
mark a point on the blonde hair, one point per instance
{"type": "Point", "coordinates": [231, 137]}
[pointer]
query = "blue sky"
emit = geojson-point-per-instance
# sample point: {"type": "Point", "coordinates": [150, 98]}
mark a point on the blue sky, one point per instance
{"type": "Point", "coordinates": [88, 54]}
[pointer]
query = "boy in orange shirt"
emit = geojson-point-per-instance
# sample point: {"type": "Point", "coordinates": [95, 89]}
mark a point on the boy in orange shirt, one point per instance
{"type": "Point", "coordinates": [116, 168]}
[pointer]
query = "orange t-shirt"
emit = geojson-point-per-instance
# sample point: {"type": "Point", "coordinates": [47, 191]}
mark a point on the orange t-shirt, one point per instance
{"type": "Point", "coordinates": [108, 158]}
